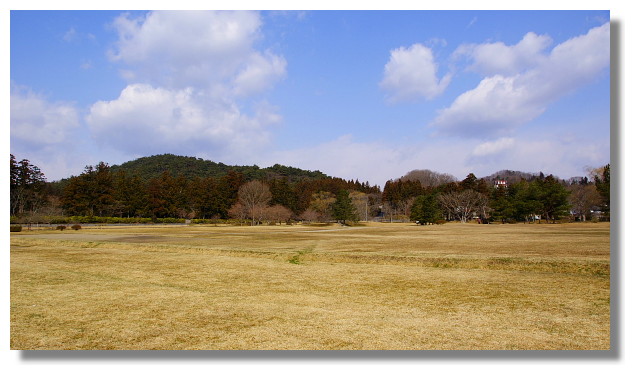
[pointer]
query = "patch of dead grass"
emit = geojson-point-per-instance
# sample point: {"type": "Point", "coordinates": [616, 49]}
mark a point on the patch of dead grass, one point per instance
{"type": "Point", "coordinates": [374, 287]}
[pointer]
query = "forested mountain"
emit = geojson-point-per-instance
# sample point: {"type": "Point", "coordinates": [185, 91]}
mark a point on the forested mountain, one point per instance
{"type": "Point", "coordinates": [151, 167]}
{"type": "Point", "coordinates": [511, 177]}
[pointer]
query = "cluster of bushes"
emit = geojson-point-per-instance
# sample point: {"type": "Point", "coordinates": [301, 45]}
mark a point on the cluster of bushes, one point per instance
{"type": "Point", "coordinates": [74, 227]}
{"type": "Point", "coordinates": [16, 228]}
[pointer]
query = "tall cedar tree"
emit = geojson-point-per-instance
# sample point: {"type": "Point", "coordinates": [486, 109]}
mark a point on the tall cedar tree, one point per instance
{"type": "Point", "coordinates": [130, 195]}
{"type": "Point", "coordinates": [91, 193]}
{"type": "Point", "coordinates": [27, 187]}
{"type": "Point", "coordinates": [343, 209]}
{"type": "Point", "coordinates": [554, 198]}
{"type": "Point", "coordinates": [282, 193]}
{"type": "Point", "coordinates": [603, 186]}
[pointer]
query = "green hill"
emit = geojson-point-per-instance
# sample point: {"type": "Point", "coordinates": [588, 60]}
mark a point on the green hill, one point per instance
{"type": "Point", "coordinates": [153, 166]}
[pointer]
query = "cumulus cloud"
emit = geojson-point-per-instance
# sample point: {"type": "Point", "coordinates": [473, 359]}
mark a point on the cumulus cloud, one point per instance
{"type": "Point", "coordinates": [526, 82]}
{"type": "Point", "coordinates": [201, 49]}
{"type": "Point", "coordinates": [194, 77]}
{"type": "Point", "coordinates": [146, 119]}
{"type": "Point", "coordinates": [498, 58]}
{"type": "Point", "coordinates": [45, 132]}
{"type": "Point", "coordinates": [38, 123]}
{"type": "Point", "coordinates": [411, 73]}
{"type": "Point", "coordinates": [260, 73]}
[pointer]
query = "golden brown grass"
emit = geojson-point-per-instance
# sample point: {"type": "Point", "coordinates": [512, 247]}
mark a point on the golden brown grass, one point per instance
{"type": "Point", "coordinates": [380, 286]}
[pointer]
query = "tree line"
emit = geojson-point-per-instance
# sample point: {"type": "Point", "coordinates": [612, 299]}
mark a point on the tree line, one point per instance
{"type": "Point", "coordinates": [530, 199]}
{"type": "Point", "coordinates": [422, 195]}
{"type": "Point", "coordinates": [101, 192]}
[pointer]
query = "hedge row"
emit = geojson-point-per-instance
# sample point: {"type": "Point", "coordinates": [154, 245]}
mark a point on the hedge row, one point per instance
{"type": "Point", "coordinates": [213, 221]}
{"type": "Point", "coordinates": [104, 220]}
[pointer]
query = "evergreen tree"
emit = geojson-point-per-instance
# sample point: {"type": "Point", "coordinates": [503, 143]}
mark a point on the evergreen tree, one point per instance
{"type": "Point", "coordinates": [227, 193]}
{"type": "Point", "coordinates": [27, 187]}
{"type": "Point", "coordinates": [603, 186]}
{"type": "Point", "coordinates": [525, 200]}
{"type": "Point", "coordinates": [469, 183]}
{"type": "Point", "coordinates": [158, 205]}
{"type": "Point", "coordinates": [425, 209]}
{"type": "Point", "coordinates": [343, 208]}
{"type": "Point", "coordinates": [554, 198]}
{"type": "Point", "coordinates": [500, 202]}
{"type": "Point", "coordinates": [282, 193]}
{"type": "Point", "coordinates": [91, 193]}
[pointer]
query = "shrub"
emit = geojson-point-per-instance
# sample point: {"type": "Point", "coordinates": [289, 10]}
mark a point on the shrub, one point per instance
{"type": "Point", "coordinates": [76, 227]}
{"type": "Point", "coordinates": [16, 228]}
{"type": "Point", "coordinates": [60, 227]}
{"type": "Point", "coordinates": [168, 220]}
{"type": "Point", "coordinates": [439, 222]}
{"type": "Point", "coordinates": [58, 220]}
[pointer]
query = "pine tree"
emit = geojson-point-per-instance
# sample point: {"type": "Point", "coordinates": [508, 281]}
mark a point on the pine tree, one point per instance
{"type": "Point", "coordinates": [603, 186]}
{"type": "Point", "coordinates": [425, 210]}
{"type": "Point", "coordinates": [27, 187]}
{"type": "Point", "coordinates": [554, 198]}
{"type": "Point", "coordinates": [343, 208]}
{"type": "Point", "coordinates": [92, 193]}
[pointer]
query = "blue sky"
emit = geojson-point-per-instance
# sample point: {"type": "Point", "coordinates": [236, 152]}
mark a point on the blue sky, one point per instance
{"type": "Point", "coordinates": [356, 94]}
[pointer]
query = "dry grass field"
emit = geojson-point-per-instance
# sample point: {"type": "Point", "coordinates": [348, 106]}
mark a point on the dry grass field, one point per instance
{"type": "Point", "coordinates": [378, 286]}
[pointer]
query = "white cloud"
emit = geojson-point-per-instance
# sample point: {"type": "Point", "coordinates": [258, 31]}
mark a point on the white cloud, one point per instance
{"type": "Point", "coordinates": [202, 49]}
{"type": "Point", "coordinates": [375, 162]}
{"type": "Point", "coordinates": [528, 83]}
{"type": "Point", "coordinates": [46, 133]}
{"type": "Point", "coordinates": [498, 58]}
{"type": "Point", "coordinates": [260, 73]}
{"type": "Point", "coordinates": [494, 147]}
{"type": "Point", "coordinates": [145, 120]}
{"type": "Point", "coordinates": [190, 74]}
{"type": "Point", "coordinates": [494, 107]}
{"type": "Point", "coordinates": [37, 122]}
{"type": "Point", "coordinates": [551, 155]}
{"type": "Point", "coordinates": [70, 35]}
{"type": "Point", "coordinates": [378, 162]}
{"type": "Point", "coordinates": [412, 73]}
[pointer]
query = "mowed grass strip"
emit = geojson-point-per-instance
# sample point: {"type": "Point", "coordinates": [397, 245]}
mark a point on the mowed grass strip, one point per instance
{"type": "Point", "coordinates": [299, 288]}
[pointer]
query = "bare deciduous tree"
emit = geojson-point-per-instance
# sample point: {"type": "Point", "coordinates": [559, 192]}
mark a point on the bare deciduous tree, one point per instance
{"type": "Point", "coordinates": [278, 213]}
{"type": "Point", "coordinates": [582, 199]}
{"type": "Point", "coordinates": [310, 215]}
{"type": "Point", "coordinates": [239, 212]}
{"type": "Point", "coordinates": [321, 202]}
{"type": "Point", "coordinates": [360, 202]}
{"type": "Point", "coordinates": [254, 196]}
{"type": "Point", "coordinates": [428, 178]}
{"type": "Point", "coordinates": [463, 204]}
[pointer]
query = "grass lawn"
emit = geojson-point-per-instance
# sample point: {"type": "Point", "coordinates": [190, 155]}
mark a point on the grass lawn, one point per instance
{"type": "Point", "coordinates": [378, 286]}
